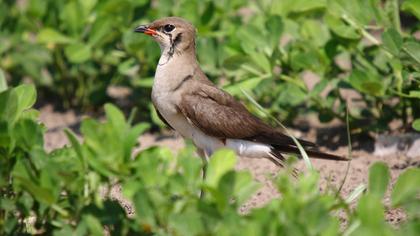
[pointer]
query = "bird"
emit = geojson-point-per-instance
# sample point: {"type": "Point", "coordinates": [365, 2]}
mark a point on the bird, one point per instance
{"type": "Point", "coordinates": [188, 102]}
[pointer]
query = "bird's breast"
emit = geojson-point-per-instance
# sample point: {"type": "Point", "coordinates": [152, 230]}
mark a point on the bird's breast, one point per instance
{"type": "Point", "coordinates": [166, 104]}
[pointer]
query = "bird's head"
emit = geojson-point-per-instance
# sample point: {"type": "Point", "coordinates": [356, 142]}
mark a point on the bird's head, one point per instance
{"type": "Point", "coordinates": [174, 34]}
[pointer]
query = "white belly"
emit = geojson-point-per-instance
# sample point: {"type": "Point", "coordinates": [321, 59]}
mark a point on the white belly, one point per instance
{"type": "Point", "coordinates": [166, 104]}
{"type": "Point", "coordinates": [187, 130]}
{"type": "Point", "coordinates": [210, 144]}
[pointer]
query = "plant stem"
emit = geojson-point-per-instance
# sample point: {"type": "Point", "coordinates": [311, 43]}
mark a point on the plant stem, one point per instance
{"type": "Point", "coordinates": [396, 16]}
{"type": "Point", "coordinates": [365, 33]}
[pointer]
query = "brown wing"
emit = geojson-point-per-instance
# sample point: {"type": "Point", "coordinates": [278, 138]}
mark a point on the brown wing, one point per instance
{"type": "Point", "coordinates": [218, 114]}
{"type": "Point", "coordinates": [162, 119]}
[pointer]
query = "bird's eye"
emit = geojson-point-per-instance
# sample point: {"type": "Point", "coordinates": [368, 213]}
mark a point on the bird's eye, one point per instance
{"type": "Point", "coordinates": [168, 28]}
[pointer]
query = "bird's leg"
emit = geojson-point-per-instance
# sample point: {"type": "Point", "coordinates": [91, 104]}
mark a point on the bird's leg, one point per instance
{"type": "Point", "coordinates": [205, 158]}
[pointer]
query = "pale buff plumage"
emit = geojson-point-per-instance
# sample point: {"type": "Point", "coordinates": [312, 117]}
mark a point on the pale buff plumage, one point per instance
{"type": "Point", "coordinates": [192, 105]}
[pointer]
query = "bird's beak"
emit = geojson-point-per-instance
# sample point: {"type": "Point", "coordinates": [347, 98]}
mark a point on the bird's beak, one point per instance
{"type": "Point", "coordinates": [145, 30]}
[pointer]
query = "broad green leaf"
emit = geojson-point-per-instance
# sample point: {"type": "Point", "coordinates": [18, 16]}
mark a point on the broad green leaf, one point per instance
{"type": "Point", "coordinates": [416, 124]}
{"type": "Point", "coordinates": [49, 35]}
{"type": "Point", "coordinates": [27, 96]}
{"type": "Point", "coordinates": [246, 84]}
{"type": "Point", "coordinates": [24, 179]}
{"type": "Point", "coordinates": [225, 190]}
{"type": "Point", "coordinates": [28, 134]}
{"type": "Point", "coordinates": [146, 209]}
{"type": "Point", "coordinates": [94, 225]}
{"type": "Point", "coordinates": [392, 41]}
{"type": "Point", "coordinates": [3, 82]}
{"type": "Point", "coordinates": [77, 147]}
{"type": "Point", "coordinates": [274, 27]}
{"type": "Point", "coordinates": [315, 32]}
{"type": "Point", "coordinates": [412, 49]}
{"type": "Point", "coordinates": [78, 52]}
{"type": "Point", "coordinates": [143, 82]}
{"type": "Point", "coordinates": [378, 179]}
{"type": "Point", "coordinates": [367, 82]}
{"type": "Point", "coordinates": [370, 210]}
{"type": "Point", "coordinates": [7, 204]}
{"type": "Point", "coordinates": [262, 61]}
{"type": "Point", "coordinates": [245, 186]}
{"type": "Point", "coordinates": [340, 28]}
{"type": "Point", "coordinates": [208, 13]}
{"type": "Point", "coordinates": [414, 94]}
{"type": "Point", "coordinates": [220, 163]}
{"type": "Point", "coordinates": [306, 60]}
{"type": "Point", "coordinates": [407, 188]}
{"type": "Point", "coordinates": [187, 223]}
{"type": "Point", "coordinates": [116, 118]}
{"type": "Point", "coordinates": [297, 6]}
{"type": "Point", "coordinates": [358, 11]}
{"type": "Point", "coordinates": [411, 6]}
{"type": "Point", "coordinates": [235, 62]}
{"type": "Point", "coordinates": [131, 138]}
{"type": "Point", "coordinates": [8, 105]}
{"type": "Point", "coordinates": [87, 5]}
{"type": "Point", "coordinates": [73, 17]}
{"type": "Point", "coordinates": [291, 95]}
{"type": "Point", "coordinates": [100, 29]}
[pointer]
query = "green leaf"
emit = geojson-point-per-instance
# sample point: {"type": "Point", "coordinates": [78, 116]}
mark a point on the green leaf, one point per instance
{"type": "Point", "coordinates": [131, 138]}
{"type": "Point", "coordinates": [234, 63]}
{"type": "Point", "coordinates": [28, 134]}
{"type": "Point", "coordinates": [416, 124]}
{"type": "Point", "coordinates": [245, 84]}
{"type": "Point", "coordinates": [367, 82]}
{"type": "Point", "coordinates": [26, 95]}
{"type": "Point", "coordinates": [359, 11]}
{"type": "Point", "coordinates": [355, 193]}
{"type": "Point", "coordinates": [392, 41]}
{"type": "Point", "coordinates": [378, 179]}
{"type": "Point", "coordinates": [73, 17]}
{"type": "Point", "coordinates": [49, 35]}
{"type": "Point", "coordinates": [24, 180]}
{"type": "Point", "coordinates": [187, 223]}
{"type": "Point", "coordinates": [275, 28]}
{"type": "Point", "coordinates": [370, 210]}
{"type": "Point", "coordinates": [297, 6]}
{"type": "Point", "coordinates": [413, 50]}
{"type": "Point", "coordinates": [87, 5]}
{"type": "Point", "coordinates": [93, 224]}
{"type": "Point", "coordinates": [407, 187]}
{"type": "Point", "coordinates": [245, 186]}
{"type": "Point", "coordinates": [8, 105]}
{"type": "Point", "coordinates": [414, 94]}
{"type": "Point", "coordinates": [78, 52]}
{"type": "Point", "coordinates": [221, 162]}
{"type": "Point", "coordinates": [315, 32]}
{"type": "Point", "coordinates": [3, 82]}
{"type": "Point", "coordinates": [341, 29]}
{"type": "Point", "coordinates": [77, 147]}
{"type": "Point", "coordinates": [411, 6]}
{"type": "Point", "coordinates": [115, 117]}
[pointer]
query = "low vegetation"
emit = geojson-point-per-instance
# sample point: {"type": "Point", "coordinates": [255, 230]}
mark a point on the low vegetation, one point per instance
{"type": "Point", "coordinates": [75, 49]}
{"type": "Point", "coordinates": [71, 52]}
{"type": "Point", "coordinates": [64, 192]}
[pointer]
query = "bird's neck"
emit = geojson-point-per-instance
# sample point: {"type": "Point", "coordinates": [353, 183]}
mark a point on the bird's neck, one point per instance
{"type": "Point", "coordinates": [174, 55]}
{"type": "Point", "coordinates": [173, 68]}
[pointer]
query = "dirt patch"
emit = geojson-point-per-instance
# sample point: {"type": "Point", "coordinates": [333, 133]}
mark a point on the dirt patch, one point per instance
{"type": "Point", "coordinates": [332, 172]}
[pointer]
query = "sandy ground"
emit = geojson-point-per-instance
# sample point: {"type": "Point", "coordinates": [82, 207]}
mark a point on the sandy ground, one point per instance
{"type": "Point", "coordinates": [399, 152]}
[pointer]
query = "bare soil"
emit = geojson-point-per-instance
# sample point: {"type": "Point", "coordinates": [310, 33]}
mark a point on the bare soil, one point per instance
{"type": "Point", "coordinates": [399, 152]}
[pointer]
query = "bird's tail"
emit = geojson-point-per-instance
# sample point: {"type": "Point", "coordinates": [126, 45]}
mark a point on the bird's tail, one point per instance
{"type": "Point", "coordinates": [276, 150]}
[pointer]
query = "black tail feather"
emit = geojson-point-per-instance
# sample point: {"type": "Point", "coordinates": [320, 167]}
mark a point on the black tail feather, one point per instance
{"type": "Point", "coordinates": [311, 153]}
{"type": "Point", "coordinates": [278, 159]}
